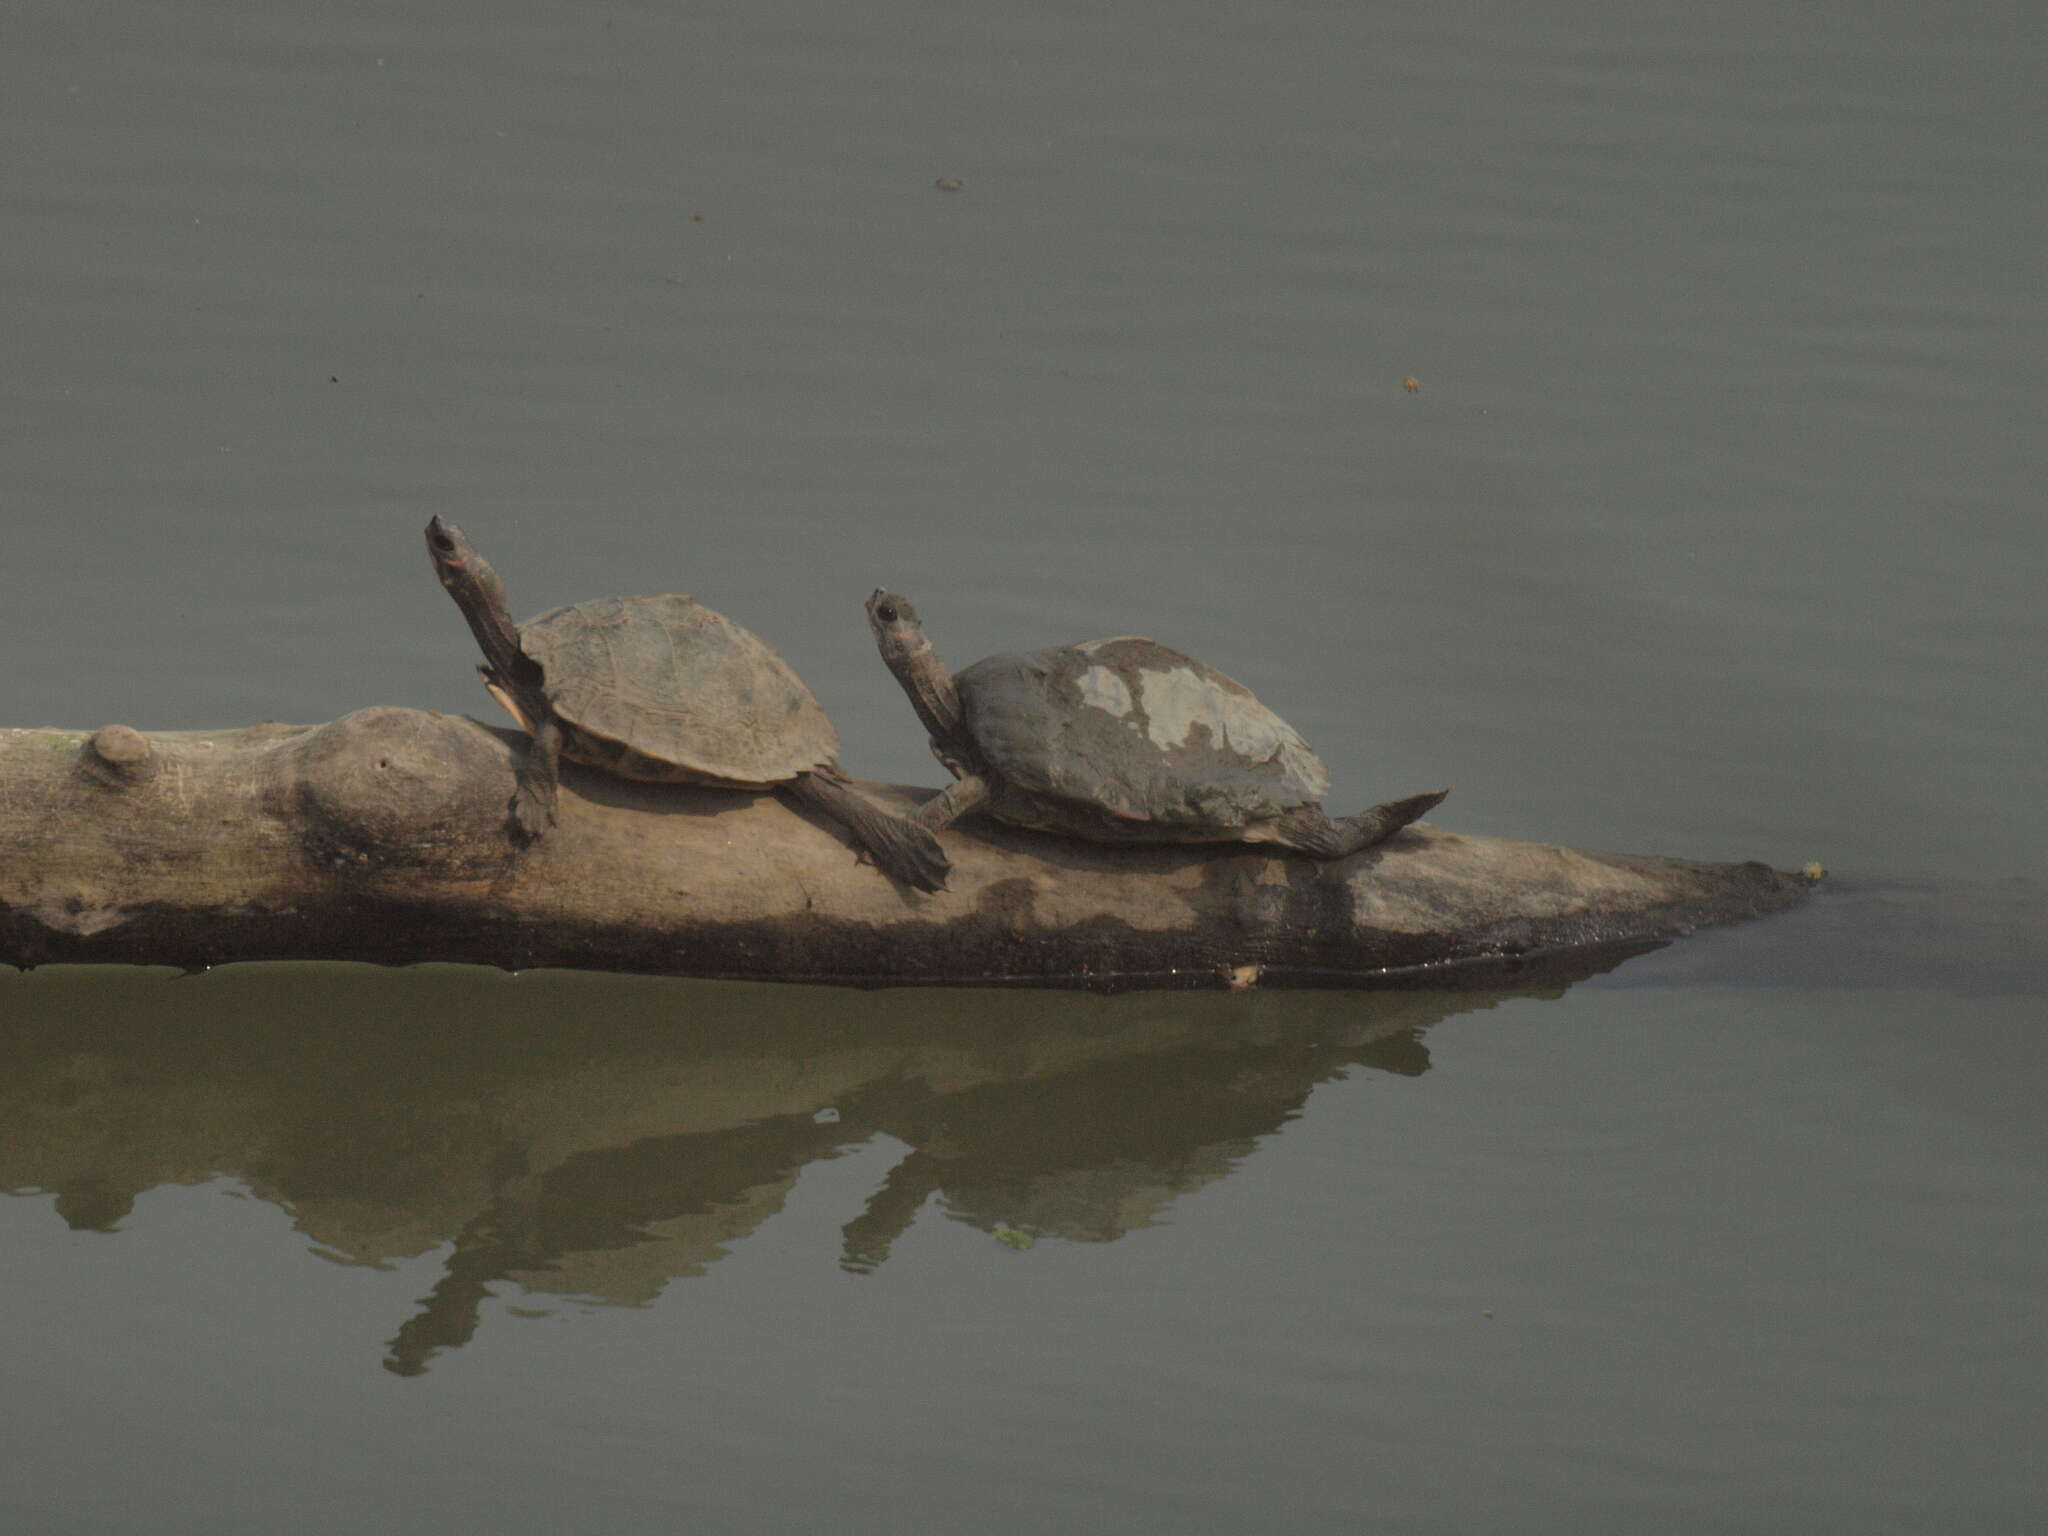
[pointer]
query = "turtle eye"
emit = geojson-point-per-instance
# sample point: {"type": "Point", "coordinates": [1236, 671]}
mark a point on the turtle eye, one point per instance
{"type": "Point", "coordinates": [887, 612]}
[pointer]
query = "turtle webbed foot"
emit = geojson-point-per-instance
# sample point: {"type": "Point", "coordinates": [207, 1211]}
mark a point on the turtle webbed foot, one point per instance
{"type": "Point", "coordinates": [1381, 822]}
{"type": "Point", "coordinates": [530, 812]}
{"type": "Point", "coordinates": [1308, 830]}
{"type": "Point", "coordinates": [533, 801]}
{"type": "Point", "coordinates": [918, 860]}
{"type": "Point", "coordinates": [901, 849]}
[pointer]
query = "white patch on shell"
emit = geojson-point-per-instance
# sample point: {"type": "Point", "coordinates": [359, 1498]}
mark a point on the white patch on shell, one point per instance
{"type": "Point", "coordinates": [1176, 701]}
{"type": "Point", "coordinates": [1102, 689]}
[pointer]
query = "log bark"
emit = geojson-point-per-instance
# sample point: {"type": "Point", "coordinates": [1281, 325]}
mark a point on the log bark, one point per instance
{"type": "Point", "coordinates": [380, 836]}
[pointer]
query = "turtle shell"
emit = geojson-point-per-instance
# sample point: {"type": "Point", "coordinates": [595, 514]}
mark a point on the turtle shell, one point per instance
{"type": "Point", "coordinates": [663, 688]}
{"type": "Point", "coordinates": [1129, 727]}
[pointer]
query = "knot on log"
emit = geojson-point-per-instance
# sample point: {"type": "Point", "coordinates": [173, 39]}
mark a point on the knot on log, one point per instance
{"type": "Point", "coordinates": [390, 788]}
{"type": "Point", "coordinates": [120, 755]}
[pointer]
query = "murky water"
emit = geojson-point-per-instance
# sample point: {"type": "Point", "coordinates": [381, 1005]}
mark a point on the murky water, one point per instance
{"type": "Point", "coordinates": [1712, 528]}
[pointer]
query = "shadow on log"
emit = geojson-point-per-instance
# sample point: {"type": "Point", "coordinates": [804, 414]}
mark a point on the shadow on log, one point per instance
{"type": "Point", "coordinates": [381, 837]}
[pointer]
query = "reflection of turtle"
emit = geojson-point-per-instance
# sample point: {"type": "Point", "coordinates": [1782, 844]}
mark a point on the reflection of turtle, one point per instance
{"type": "Point", "coordinates": [658, 688]}
{"type": "Point", "coordinates": [1120, 740]}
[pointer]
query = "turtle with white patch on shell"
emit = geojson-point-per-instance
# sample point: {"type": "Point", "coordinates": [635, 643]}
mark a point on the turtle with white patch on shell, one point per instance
{"type": "Point", "coordinates": [1120, 740]}
{"type": "Point", "coordinates": [663, 690]}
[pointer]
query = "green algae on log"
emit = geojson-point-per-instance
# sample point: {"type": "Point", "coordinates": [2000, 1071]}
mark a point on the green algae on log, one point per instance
{"type": "Point", "coordinates": [380, 836]}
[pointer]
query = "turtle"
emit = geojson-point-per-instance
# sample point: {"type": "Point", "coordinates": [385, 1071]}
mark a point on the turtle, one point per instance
{"type": "Point", "coordinates": [664, 690]}
{"type": "Point", "coordinates": [1121, 740]}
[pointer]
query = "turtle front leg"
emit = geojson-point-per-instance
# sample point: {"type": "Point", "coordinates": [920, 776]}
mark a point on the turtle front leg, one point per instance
{"type": "Point", "coordinates": [955, 801]}
{"type": "Point", "coordinates": [540, 774]}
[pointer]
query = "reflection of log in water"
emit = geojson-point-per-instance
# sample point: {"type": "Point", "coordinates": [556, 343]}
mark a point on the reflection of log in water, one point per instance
{"type": "Point", "coordinates": [596, 1138]}
{"type": "Point", "coordinates": [380, 836]}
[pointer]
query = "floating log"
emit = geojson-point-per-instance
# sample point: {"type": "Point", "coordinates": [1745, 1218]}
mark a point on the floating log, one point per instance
{"type": "Point", "coordinates": [381, 836]}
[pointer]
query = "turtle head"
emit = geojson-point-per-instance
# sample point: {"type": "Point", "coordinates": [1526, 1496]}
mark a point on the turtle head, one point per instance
{"type": "Point", "coordinates": [469, 578]}
{"type": "Point", "coordinates": [899, 635]}
{"type": "Point", "coordinates": [450, 550]}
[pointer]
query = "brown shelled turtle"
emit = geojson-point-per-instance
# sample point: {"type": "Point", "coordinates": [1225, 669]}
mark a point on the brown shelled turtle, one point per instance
{"type": "Point", "coordinates": [662, 689]}
{"type": "Point", "coordinates": [1123, 741]}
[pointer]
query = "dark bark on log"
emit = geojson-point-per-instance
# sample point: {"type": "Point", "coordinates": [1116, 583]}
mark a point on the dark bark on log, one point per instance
{"type": "Point", "coordinates": [381, 837]}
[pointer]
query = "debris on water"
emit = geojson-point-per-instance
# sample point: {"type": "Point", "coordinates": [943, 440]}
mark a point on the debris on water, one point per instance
{"type": "Point", "coordinates": [950, 184]}
{"type": "Point", "coordinates": [1412, 384]}
{"type": "Point", "coordinates": [1014, 1237]}
{"type": "Point", "coordinates": [1812, 872]}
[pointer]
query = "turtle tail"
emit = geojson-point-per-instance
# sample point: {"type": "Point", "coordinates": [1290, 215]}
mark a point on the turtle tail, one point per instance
{"type": "Point", "coordinates": [904, 851]}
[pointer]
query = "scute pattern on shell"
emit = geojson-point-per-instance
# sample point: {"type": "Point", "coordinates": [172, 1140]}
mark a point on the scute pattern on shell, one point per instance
{"type": "Point", "coordinates": [1141, 731]}
{"type": "Point", "coordinates": [656, 684]}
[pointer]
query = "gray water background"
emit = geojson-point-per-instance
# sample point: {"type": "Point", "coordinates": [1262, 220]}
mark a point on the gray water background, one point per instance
{"type": "Point", "coordinates": [1713, 528]}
